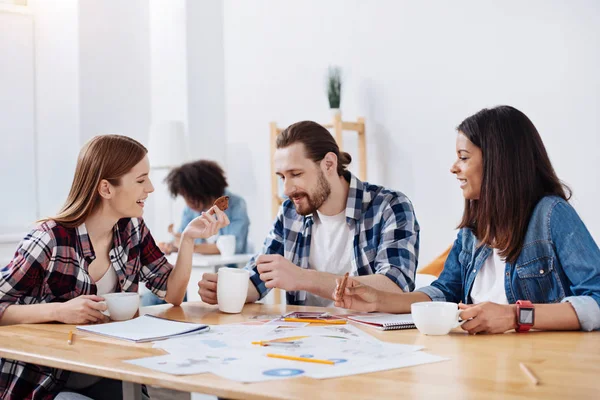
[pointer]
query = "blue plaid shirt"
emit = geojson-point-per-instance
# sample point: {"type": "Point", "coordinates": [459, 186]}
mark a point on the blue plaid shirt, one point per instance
{"type": "Point", "coordinates": [385, 231]}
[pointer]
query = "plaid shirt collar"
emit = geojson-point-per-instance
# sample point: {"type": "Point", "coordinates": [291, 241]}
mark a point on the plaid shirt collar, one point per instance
{"type": "Point", "coordinates": [85, 244]}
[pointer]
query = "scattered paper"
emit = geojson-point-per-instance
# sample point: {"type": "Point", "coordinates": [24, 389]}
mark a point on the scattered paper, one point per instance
{"type": "Point", "coordinates": [227, 351]}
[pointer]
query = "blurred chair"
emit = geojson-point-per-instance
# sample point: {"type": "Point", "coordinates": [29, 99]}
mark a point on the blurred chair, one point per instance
{"type": "Point", "coordinates": [430, 272]}
{"type": "Point", "coordinates": [436, 267]}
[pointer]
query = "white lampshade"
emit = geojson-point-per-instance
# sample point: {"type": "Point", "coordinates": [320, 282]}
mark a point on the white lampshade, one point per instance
{"type": "Point", "coordinates": [167, 146]}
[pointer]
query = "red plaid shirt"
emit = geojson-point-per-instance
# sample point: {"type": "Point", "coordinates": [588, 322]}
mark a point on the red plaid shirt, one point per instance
{"type": "Point", "coordinates": [50, 265]}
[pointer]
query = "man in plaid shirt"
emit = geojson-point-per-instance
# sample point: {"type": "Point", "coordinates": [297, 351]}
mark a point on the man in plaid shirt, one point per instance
{"type": "Point", "coordinates": [331, 224]}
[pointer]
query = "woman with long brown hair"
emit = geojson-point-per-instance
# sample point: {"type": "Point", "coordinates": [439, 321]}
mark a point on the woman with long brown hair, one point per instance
{"type": "Point", "coordinates": [97, 244]}
{"type": "Point", "coordinates": [523, 258]}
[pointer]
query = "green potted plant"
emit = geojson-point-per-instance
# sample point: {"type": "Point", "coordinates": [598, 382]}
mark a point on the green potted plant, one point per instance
{"type": "Point", "coordinates": [334, 88]}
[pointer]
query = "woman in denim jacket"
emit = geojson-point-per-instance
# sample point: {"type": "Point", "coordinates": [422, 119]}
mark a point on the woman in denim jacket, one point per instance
{"type": "Point", "coordinates": [519, 238]}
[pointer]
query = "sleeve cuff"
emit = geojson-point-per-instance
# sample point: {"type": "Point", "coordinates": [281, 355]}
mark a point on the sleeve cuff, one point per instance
{"type": "Point", "coordinates": [397, 276]}
{"type": "Point", "coordinates": [3, 307]}
{"type": "Point", "coordinates": [158, 284]}
{"type": "Point", "coordinates": [257, 282]}
{"type": "Point", "coordinates": [587, 310]}
{"type": "Point", "coordinates": [434, 293]}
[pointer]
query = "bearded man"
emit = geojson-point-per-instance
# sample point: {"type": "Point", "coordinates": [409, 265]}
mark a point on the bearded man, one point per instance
{"type": "Point", "coordinates": [331, 223]}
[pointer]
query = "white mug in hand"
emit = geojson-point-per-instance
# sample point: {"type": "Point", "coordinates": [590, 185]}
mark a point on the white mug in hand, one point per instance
{"type": "Point", "coordinates": [226, 245]}
{"type": "Point", "coordinates": [232, 289]}
{"type": "Point", "coordinates": [121, 305]}
{"type": "Point", "coordinates": [435, 317]}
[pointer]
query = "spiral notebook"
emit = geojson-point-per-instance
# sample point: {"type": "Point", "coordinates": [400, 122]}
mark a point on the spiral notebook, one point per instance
{"type": "Point", "coordinates": [383, 321]}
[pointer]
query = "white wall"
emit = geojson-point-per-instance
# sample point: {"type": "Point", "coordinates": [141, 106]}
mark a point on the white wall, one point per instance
{"type": "Point", "coordinates": [57, 99]}
{"type": "Point", "coordinates": [17, 122]}
{"type": "Point", "coordinates": [414, 70]}
{"type": "Point", "coordinates": [205, 77]}
{"type": "Point", "coordinates": [114, 68]}
{"type": "Point", "coordinates": [186, 84]}
{"type": "Point", "coordinates": [168, 68]}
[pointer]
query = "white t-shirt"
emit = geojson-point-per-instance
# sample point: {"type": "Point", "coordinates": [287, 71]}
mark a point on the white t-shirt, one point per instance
{"type": "Point", "coordinates": [330, 250]}
{"type": "Point", "coordinates": [489, 282]}
{"type": "Point", "coordinates": [108, 282]}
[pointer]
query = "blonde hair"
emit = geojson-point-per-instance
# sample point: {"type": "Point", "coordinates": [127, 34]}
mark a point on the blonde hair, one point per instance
{"type": "Point", "coordinates": [103, 157]}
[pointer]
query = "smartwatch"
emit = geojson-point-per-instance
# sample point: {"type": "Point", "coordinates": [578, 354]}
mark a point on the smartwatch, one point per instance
{"type": "Point", "coordinates": [525, 315]}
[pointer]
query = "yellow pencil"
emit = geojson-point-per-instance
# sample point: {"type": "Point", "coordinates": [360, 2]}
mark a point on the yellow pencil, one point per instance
{"type": "Point", "coordinates": [317, 321]}
{"type": "Point", "coordinates": [304, 359]}
{"type": "Point", "coordinates": [70, 340]}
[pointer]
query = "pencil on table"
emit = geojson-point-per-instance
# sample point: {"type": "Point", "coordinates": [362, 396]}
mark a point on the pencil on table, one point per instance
{"type": "Point", "coordinates": [317, 321]}
{"type": "Point", "coordinates": [304, 359]}
{"type": "Point", "coordinates": [281, 344]}
{"type": "Point", "coordinates": [70, 340]}
{"type": "Point", "coordinates": [529, 374]}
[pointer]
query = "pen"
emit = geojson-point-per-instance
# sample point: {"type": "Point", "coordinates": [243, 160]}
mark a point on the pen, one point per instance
{"type": "Point", "coordinates": [70, 340]}
{"type": "Point", "coordinates": [304, 359]}
{"type": "Point", "coordinates": [317, 321]}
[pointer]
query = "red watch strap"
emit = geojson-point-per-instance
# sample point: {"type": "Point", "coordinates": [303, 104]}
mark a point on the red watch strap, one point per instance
{"type": "Point", "coordinates": [524, 304]}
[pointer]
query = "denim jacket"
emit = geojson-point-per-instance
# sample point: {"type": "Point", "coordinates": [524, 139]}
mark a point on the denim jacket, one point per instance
{"type": "Point", "coordinates": [559, 262]}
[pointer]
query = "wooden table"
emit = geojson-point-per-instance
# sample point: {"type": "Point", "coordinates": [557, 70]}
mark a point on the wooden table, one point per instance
{"type": "Point", "coordinates": [482, 366]}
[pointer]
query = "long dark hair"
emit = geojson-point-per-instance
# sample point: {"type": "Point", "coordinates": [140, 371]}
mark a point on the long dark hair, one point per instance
{"type": "Point", "coordinates": [317, 141]}
{"type": "Point", "coordinates": [517, 173]}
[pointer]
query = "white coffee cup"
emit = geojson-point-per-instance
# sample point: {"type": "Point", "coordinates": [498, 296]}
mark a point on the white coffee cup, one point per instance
{"type": "Point", "coordinates": [122, 305]}
{"type": "Point", "coordinates": [232, 289]}
{"type": "Point", "coordinates": [226, 245]}
{"type": "Point", "coordinates": [435, 317]}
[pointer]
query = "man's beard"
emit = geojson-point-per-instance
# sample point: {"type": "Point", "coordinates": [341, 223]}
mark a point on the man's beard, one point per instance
{"type": "Point", "coordinates": [316, 199]}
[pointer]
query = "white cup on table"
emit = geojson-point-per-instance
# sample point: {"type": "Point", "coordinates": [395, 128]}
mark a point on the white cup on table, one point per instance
{"type": "Point", "coordinates": [435, 317]}
{"type": "Point", "coordinates": [121, 306]}
{"type": "Point", "coordinates": [232, 289]}
{"type": "Point", "coordinates": [226, 245]}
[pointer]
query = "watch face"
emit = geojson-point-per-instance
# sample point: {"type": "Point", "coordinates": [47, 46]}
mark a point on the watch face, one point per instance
{"type": "Point", "coordinates": [526, 316]}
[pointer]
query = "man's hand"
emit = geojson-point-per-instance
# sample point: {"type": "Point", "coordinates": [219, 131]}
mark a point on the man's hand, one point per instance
{"type": "Point", "coordinates": [488, 317]}
{"type": "Point", "coordinates": [278, 272]}
{"type": "Point", "coordinates": [357, 296]}
{"type": "Point", "coordinates": [207, 288]}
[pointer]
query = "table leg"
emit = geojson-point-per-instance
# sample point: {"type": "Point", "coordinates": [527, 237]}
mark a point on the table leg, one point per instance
{"type": "Point", "coordinates": [132, 391]}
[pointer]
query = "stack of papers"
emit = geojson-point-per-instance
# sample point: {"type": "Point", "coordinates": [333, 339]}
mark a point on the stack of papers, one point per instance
{"type": "Point", "coordinates": [146, 328]}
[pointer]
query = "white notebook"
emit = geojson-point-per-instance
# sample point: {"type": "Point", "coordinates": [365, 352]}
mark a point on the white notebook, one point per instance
{"type": "Point", "coordinates": [146, 328]}
{"type": "Point", "coordinates": [383, 321]}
